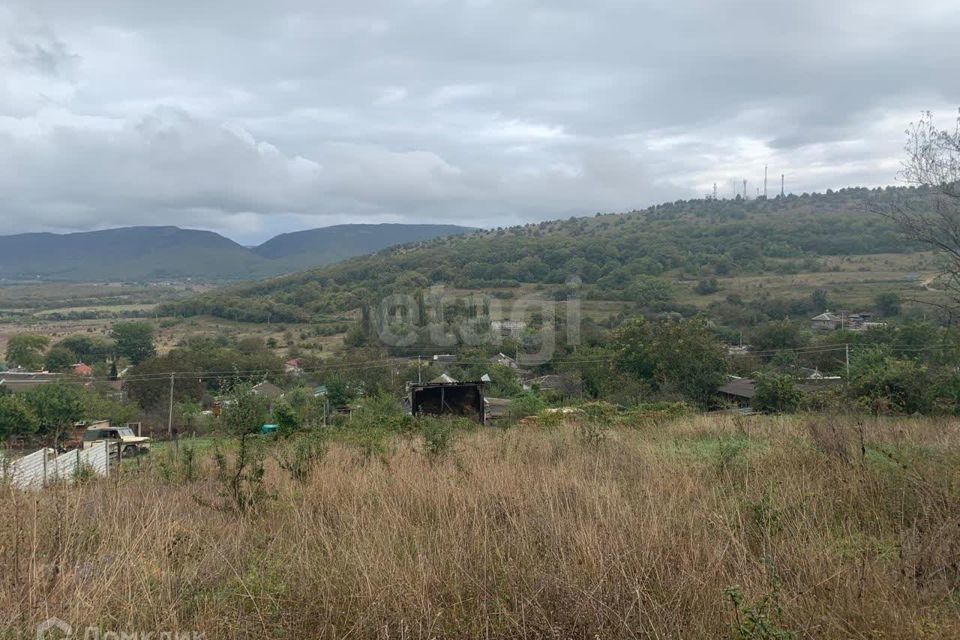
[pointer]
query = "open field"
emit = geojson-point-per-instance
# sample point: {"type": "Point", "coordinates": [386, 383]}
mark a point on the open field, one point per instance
{"type": "Point", "coordinates": [48, 296]}
{"type": "Point", "coordinates": [171, 332]}
{"type": "Point", "coordinates": [850, 281]}
{"type": "Point", "coordinates": [719, 527]}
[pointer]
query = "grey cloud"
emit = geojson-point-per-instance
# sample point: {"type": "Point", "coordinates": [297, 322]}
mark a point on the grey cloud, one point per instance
{"type": "Point", "coordinates": [247, 120]}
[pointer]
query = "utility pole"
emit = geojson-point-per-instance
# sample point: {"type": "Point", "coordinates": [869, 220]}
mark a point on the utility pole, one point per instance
{"type": "Point", "coordinates": [170, 414]}
{"type": "Point", "coordinates": [419, 374]}
{"type": "Point", "coordinates": [847, 349]}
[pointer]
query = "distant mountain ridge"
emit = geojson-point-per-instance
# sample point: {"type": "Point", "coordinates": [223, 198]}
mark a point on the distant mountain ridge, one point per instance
{"type": "Point", "coordinates": [299, 248]}
{"type": "Point", "coordinates": [152, 253]}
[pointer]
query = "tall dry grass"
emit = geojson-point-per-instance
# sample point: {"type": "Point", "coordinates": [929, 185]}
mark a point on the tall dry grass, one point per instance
{"type": "Point", "coordinates": [569, 531]}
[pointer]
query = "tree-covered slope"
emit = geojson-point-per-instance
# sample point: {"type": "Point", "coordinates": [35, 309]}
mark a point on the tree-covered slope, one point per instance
{"type": "Point", "coordinates": [613, 255]}
{"type": "Point", "coordinates": [171, 253]}
{"type": "Point", "coordinates": [304, 249]}
{"type": "Point", "coordinates": [130, 253]}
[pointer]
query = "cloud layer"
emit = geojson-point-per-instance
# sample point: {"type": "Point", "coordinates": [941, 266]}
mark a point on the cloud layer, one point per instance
{"type": "Point", "coordinates": [484, 112]}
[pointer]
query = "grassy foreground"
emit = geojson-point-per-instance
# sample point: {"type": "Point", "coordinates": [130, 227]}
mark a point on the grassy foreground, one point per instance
{"type": "Point", "coordinates": [724, 527]}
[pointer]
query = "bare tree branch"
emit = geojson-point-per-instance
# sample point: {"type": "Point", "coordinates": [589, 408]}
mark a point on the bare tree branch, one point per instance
{"type": "Point", "coordinates": [933, 165]}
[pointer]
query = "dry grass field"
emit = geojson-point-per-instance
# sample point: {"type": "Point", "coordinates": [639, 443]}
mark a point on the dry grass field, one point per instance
{"type": "Point", "coordinates": [702, 527]}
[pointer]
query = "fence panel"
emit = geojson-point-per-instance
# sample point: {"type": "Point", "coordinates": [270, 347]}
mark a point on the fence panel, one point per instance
{"type": "Point", "coordinates": [34, 471]}
{"type": "Point", "coordinates": [97, 458]}
{"type": "Point", "coordinates": [28, 471]}
{"type": "Point", "coordinates": [63, 467]}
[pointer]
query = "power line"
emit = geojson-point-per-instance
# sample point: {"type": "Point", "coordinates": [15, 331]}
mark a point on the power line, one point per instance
{"type": "Point", "coordinates": [411, 361]}
{"type": "Point", "coordinates": [368, 364]}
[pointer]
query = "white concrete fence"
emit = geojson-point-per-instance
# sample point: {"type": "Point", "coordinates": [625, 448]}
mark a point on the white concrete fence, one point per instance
{"type": "Point", "coordinates": [43, 467]}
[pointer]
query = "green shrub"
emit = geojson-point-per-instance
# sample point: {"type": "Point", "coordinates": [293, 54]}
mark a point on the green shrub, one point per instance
{"type": "Point", "coordinates": [882, 384]}
{"type": "Point", "coordinates": [776, 393]}
{"type": "Point", "coordinates": [241, 475]}
{"type": "Point", "coordinates": [526, 405]}
{"type": "Point", "coordinates": [286, 418]}
{"type": "Point", "coordinates": [438, 435]}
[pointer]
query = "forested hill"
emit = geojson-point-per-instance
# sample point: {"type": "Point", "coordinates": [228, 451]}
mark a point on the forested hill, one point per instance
{"type": "Point", "coordinates": [616, 256]}
{"type": "Point", "coordinates": [301, 249]}
{"type": "Point", "coordinates": [171, 253]}
{"type": "Point", "coordinates": [128, 253]}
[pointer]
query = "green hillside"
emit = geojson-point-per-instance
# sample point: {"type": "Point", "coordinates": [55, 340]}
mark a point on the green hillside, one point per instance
{"type": "Point", "coordinates": [171, 253]}
{"type": "Point", "coordinates": [131, 253]}
{"type": "Point", "coordinates": [631, 258]}
{"type": "Point", "coordinates": [305, 249]}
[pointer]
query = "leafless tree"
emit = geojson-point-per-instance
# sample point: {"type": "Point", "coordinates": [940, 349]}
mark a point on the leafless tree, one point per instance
{"type": "Point", "coordinates": [933, 164]}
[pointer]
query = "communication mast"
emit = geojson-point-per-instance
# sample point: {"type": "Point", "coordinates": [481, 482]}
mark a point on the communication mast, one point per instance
{"type": "Point", "coordinates": [781, 185]}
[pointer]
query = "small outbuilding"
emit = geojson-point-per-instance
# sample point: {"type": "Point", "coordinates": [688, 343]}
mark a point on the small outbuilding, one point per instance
{"type": "Point", "coordinates": [448, 399]}
{"type": "Point", "coordinates": [739, 392]}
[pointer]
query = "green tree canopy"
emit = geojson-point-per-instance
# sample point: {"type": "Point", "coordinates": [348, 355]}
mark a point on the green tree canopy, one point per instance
{"type": "Point", "coordinates": [59, 358]}
{"type": "Point", "coordinates": [26, 350]}
{"type": "Point", "coordinates": [88, 348]}
{"type": "Point", "coordinates": [57, 406]}
{"type": "Point", "coordinates": [776, 394]}
{"type": "Point", "coordinates": [778, 334]}
{"type": "Point", "coordinates": [286, 418]}
{"type": "Point", "coordinates": [134, 340]}
{"type": "Point", "coordinates": [244, 412]}
{"type": "Point", "coordinates": [887, 303]}
{"type": "Point", "coordinates": [884, 384]}
{"type": "Point", "coordinates": [16, 418]}
{"type": "Point", "coordinates": [682, 357]}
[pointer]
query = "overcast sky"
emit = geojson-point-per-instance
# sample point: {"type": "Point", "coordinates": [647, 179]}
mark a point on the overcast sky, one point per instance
{"type": "Point", "coordinates": [250, 121]}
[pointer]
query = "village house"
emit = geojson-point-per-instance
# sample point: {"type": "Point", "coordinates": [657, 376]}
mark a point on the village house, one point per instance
{"type": "Point", "coordinates": [828, 321]}
{"type": "Point", "coordinates": [267, 390]}
{"type": "Point", "coordinates": [83, 370]}
{"type": "Point", "coordinates": [19, 381]}
{"type": "Point", "coordinates": [292, 367]}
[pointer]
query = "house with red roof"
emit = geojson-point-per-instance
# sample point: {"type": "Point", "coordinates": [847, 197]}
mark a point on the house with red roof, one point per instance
{"type": "Point", "coordinates": [83, 370]}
